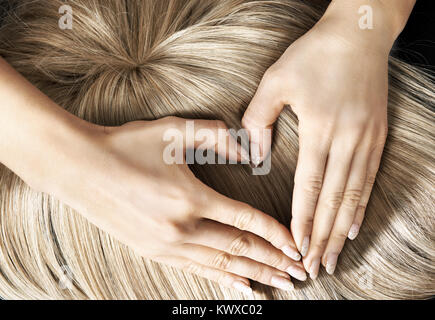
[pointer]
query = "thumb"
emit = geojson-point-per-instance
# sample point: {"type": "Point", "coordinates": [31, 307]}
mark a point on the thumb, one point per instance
{"type": "Point", "coordinates": [261, 114]}
{"type": "Point", "coordinates": [212, 135]}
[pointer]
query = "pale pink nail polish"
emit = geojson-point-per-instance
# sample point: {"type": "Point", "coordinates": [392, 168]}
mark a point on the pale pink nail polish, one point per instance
{"type": "Point", "coordinates": [255, 154]}
{"type": "Point", "coordinates": [331, 263]}
{"type": "Point", "coordinates": [282, 283]}
{"type": "Point", "coordinates": [353, 232]}
{"type": "Point", "coordinates": [297, 273]}
{"type": "Point", "coordinates": [314, 269]}
{"type": "Point", "coordinates": [291, 253]}
{"type": "Point", "coordinates": [305, 246]}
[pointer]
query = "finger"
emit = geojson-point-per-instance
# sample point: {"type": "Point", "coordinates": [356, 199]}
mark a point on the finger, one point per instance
{"type": "Point", "coordinates": [242, 243]}
{"type": "Point", "coordinates": [223, 278]}
{"type": "Point", "coordinates": [261, 114]}
{"type": "Point", "coordinates": [330, 198]}
{"type": "Point", "coordinates": [244, 217]}
{"type": "Point", "coordinates": [347, 211]}
{"type": "Point", "coordinates": [214, 135]}
{"type": "Point", "coordinates": [204, 135]}
{"type": "Point", "coordinates": [308, 183]}
{"type": "Point", "coordinates": [241, 266]}
{"type": "Point", "coordinates": [372, 170]}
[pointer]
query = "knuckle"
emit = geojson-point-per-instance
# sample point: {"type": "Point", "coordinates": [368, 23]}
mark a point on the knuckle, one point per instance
{"type": "Point", "coordinates": [188, 208]}
{"type": "Point", "coordinates": [257, 273]}
{"type": "Point", "coordinates": [173, 122]}
{"type": "Point", "coordinates": [362, 207]}
{"type": "Point", "coordinates": [339, 236]}
{"type": "Point", "coordinates": [360, 211]}
{"type": "Point", "coordinates": [333, 201]}
{"type": "Point", "coordinates": [182, 197]}
{"type": "Point", "coordinates": [176, 191]}
{"type": "Point", "coordinates": [170, 120]}
{"type": "Point", "coordinates": [271, 76]}
{"type": "Point", "coordinates": [352, 198]}
{"type": "Point", "coordinates": [278, 235]}
{"type": "Point", "coordinates": [320, 244]}
{"type": "Point", "coordinates": [313, 185]}
{"type": "Point", "coordinates": [278, 261]}
{"type": "Point", "coordinates": [305, 221]}
{"type": "Point", "coordinates": [359, 123]}
{"type": "Point", "coordinates": [241, 245]}
{"type": "Point", "coordinates": [192, 267]}
{"type": "Point", "coordinates": [371, 178]}
{"type": "Point", "coordinates": [175, 232]}
{"type": "Point", "coordinates": [243, 219]}
{"type": "Point", "coordinates": [222, 260]}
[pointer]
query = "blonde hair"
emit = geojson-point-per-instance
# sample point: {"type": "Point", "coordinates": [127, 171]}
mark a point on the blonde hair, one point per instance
{"type": "Point", "coordinates": [126, 60]}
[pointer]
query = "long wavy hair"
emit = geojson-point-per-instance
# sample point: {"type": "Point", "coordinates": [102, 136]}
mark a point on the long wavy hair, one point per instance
{"type": "Point", "coordinates": [126, 60]}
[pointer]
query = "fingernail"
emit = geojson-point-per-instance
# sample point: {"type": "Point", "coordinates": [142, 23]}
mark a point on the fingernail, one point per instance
{"type": "Point", "coordinates": [314, 269]}
{"type": "Point", "coordinates": [242, 287]}
{"type": "Point", "coordinates": [305, 246]}
{"type": "Point", "coordinates": [331, 263]}
{"type": "Point", "coordinates": [297, 273]}
{"type": "Point", "coordinates": [291, 253]}
{"type": "Point", "coordinates": [353, 232]}
{"type": "Point", "coordinates": [255, 154]}
{"type": "Point", "coordinates": [282, 283]}
{"type": "Point", "coordinates": [244, 155]}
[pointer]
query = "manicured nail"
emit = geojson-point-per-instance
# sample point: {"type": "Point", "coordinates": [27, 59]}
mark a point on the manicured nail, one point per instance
{"type": "Point", "coordinates": [314, 269]}
{"type": "Point", "coordinates": [282, 283]}
{"type": "Point", "coordinates": [297, 273]}
{"type": "Point", "coordinates": [291, 253]}
{"type": "Point", "coordinates": [331, 262]}
{"type": "Point", "coordinates": [353, 232]}
{"type": "Point", "coordinates": [244, 155]}
{"type": "Point", "coordinates": [255, 154]}
{"type": "Point", "coordinates": [242, 287]}
{"type": "Point", "coordinates": [305, 246]}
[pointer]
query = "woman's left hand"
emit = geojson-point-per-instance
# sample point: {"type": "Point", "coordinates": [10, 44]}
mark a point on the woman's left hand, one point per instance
{"type": "Point", "coordinates": [338, 88]}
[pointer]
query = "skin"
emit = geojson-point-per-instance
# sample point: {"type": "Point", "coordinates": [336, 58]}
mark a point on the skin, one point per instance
{"type": "Point", "coordinates": [164, 213]}
{"type": "Point", "coordinates": [335, 79]}
{"type": "Point", "coordinates": [161, 211]}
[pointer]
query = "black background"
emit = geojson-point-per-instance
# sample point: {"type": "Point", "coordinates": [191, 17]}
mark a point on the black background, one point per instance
{"type": "Point", "coordinates": [416, 44]}
{"type": "Point", "coordinates": [161, 310]}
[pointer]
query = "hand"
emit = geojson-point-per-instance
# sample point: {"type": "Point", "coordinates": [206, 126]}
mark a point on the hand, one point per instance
{"type": "Point", "coordinates": [339, 90]}
{"type": "Point", "coordinates": [164, 213]}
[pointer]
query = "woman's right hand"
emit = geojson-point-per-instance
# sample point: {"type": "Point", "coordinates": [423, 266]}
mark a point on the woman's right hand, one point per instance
{"type": "Point", "coordinates": [164, 213]}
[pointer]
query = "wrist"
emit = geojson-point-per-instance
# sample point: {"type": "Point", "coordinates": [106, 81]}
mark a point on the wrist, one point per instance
{"type": "Point", "coordinates": [64, 156]}
{"type": "Point", "coordinates": [398, 13]}
{"type": "Point", "coordinates": [346, 19]}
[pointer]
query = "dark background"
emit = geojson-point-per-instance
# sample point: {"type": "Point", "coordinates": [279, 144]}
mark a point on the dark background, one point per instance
{"type": "Point", "coordinates": [416, 44]}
